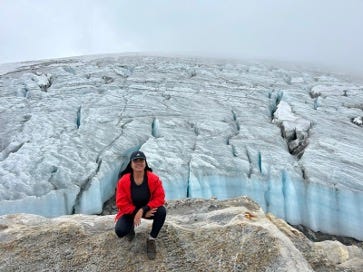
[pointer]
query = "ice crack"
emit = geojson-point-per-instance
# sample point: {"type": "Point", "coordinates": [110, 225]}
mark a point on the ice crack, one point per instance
{"type": "Point", "coordinates": [78, 121]}
{"type": "Point", "coordinates": [11, 148]}
{"type": "Point", "coordinates": [236, 130]}
{"type": "Point", "coordinates": [276, 98]}
{"type": "Point", "coordinates": [85, 185]}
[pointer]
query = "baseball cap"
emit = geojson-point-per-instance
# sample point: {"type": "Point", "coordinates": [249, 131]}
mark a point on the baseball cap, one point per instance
{"type": "Point", "coordinates": [137, 155]}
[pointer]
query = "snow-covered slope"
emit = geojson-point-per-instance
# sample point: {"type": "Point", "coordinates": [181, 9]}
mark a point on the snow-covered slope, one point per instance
{"type": "Point", "coordinates": [288, 138]}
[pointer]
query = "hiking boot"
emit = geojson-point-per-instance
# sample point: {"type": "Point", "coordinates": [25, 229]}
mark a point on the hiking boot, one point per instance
{"type": "Point", "coordinates": [131, 235]}
{"type": "Point", "coordinates": [151, 248]}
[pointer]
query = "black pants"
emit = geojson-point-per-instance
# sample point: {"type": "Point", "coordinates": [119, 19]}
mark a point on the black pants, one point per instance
{"type": "Point", "coordinates": [126, 223]}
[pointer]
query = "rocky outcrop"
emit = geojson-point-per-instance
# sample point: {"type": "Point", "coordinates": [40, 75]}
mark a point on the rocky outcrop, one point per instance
{"type": "Point", "coordinates": [199, 235]}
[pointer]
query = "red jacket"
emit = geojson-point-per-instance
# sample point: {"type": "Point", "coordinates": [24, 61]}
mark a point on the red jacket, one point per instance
{"type": "Point", "coordinates": [123, 194]}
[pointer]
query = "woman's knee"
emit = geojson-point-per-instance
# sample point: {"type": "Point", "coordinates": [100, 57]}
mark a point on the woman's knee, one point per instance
{"type": "Point", "coordinates": [120, 232]}
{"type": "Point", "coordinates": [161, 212]}
{"type": "Point", "coordinates": [123, 225]}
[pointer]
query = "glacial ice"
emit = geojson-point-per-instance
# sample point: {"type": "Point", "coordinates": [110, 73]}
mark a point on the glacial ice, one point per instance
{"type": "Point", "coordinates": [288, 138]}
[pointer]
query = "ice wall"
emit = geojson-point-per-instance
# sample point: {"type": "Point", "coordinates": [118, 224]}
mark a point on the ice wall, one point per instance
{"type": "Point", "coordinates": [294, 200]}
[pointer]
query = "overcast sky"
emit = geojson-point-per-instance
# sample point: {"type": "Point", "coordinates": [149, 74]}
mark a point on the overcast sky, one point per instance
{"type": "Point", "coordinates": [328, 32]}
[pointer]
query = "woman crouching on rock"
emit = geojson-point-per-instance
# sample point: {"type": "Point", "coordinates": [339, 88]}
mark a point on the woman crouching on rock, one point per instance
{"type": "Point", "coordinates": [139, 194]}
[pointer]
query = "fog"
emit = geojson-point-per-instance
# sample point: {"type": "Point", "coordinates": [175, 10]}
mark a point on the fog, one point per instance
{"type": "Point", "coordinates": [327, 33]}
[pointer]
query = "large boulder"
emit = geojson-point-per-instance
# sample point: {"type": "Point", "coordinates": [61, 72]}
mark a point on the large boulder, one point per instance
{"type": "Point", "coordinates": [198, 235]}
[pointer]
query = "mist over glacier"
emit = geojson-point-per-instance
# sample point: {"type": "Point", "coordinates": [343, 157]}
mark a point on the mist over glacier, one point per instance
{"type": "Point", "coordinates": [290, 138]}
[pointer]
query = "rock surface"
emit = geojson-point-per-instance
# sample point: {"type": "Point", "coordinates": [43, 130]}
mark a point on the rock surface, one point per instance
{"type": "Point", "coordinates": [199, 235]}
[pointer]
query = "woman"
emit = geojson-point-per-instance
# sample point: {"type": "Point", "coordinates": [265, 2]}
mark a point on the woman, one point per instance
{"type": "Point", "coordinates": [139, 194]}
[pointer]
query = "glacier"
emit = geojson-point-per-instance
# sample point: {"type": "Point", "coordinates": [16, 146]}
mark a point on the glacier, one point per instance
{"type": "Point", "coordinates": [287, 136]}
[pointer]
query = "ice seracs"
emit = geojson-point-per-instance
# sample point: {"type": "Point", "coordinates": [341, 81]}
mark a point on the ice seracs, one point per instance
{"type": "Point", "coordinates": [210, 128]}
{"type": "Point", "coordinates": [358, 121]}
{"type": "Point", "coordinates": [294, 129]}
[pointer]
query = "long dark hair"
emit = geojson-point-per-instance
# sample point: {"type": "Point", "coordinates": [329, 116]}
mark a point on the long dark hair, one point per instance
{"type": "Point", "coordinates": [128, 169]}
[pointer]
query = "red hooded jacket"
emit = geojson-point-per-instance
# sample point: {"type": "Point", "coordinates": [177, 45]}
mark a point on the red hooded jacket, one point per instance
{"type": "Point", "coordinates": [123, 194]}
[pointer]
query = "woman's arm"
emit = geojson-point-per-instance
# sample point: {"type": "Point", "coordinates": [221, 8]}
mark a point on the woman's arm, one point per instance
{"type": "Point", "coordinates": [123, 196]}
{"type": "Point", "coordinates": [157, 192]}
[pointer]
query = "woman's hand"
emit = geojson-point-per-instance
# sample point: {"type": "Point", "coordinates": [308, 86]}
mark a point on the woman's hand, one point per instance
{"type": "Point", "coordinates": [150, 213]}
{"type": "Point", "coordinates": [137, 218]}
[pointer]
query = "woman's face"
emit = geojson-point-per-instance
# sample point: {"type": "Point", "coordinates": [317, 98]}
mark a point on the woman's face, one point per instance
{"type": "Point", "coordinates": [138, 165]}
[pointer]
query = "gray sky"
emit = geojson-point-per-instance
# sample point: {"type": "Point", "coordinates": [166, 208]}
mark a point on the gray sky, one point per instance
{"type": "Point", "coordinates": [328, 32]}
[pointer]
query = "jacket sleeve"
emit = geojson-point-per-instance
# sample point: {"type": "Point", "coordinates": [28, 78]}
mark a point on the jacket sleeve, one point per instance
{"type": "Point", "coordinates": [157, 192]}
{"type": "Point", "coordinates": [123, 196]}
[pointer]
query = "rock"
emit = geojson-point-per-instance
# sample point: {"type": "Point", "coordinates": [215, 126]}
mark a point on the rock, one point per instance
{"type": "Point", "coordinates": [198, 235]}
